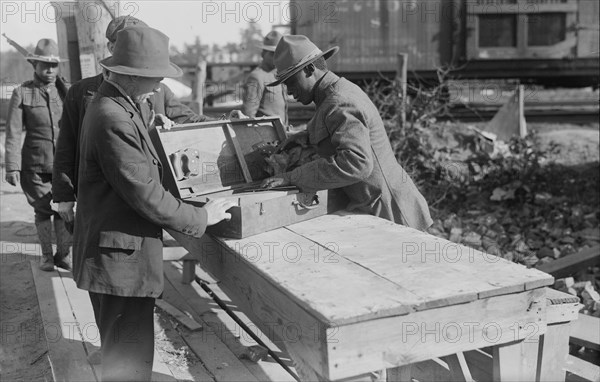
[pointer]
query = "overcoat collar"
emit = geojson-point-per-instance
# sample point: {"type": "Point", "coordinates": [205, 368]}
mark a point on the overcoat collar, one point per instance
{"type": "Point", "coordinates": [108, 89]}
{"type": "Point", "coordinates": [321, 86]}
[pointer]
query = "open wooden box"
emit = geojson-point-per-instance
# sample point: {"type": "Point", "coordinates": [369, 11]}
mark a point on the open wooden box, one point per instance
{"type": "Point", "coordinates": [225, 159]}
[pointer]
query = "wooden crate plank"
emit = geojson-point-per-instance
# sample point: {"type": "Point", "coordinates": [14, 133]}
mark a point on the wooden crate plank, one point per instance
{"type": "Point", "coordinates": [568, 265]}
{"type": "Point", "coordinates": [269, 308]}
{"type": "Point", "coordinates": [562, 307]}
{"type": "Point", "coordinates": [585, 331]}
{"type": "Point", "coordinates": [177, 314]}
{"type": "Point", "coordinates": [65, 345]}
{"type": "Point", "coordinates": [583, 369]}
{"type": "Point", "coordinates": [358, 293]}
{"type": "Point", "coordinates": [405, 256]}
{"type": "Point", "coordinates": [218, 327]}
{"type": "Point", "coordinates": [282, 257]}
{"type": "Point", "coordinates": [396, 341]}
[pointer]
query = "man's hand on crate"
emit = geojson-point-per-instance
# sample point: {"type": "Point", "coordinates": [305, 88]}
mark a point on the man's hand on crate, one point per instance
{"type": "Point", "coordinates": [274, 182]}
{"type": "Point", "coordinates": [216, 210]}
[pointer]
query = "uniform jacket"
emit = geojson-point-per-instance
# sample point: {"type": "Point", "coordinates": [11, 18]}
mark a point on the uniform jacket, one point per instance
{"type": "Point", "coordinates": [122, 206]}
{"type": "Point", "coordinates": [356, 156]}
{"type": "Point", "coordinates": [64, 180]}
{"type": "Point", "coordinates": [261, 100]}
{"type": "Point", "coordinates": [37, 107]}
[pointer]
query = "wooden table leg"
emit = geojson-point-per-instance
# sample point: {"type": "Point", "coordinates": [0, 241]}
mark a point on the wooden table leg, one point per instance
{"type": "Point", "coordinates": [400, 374]}
{"type": "Point", "coordinates": [554, 350]}
{"type": "Point", "coordinates": [189, 271]}
{"type": "Point", "coordinates": [459, 370]}
{"type": "Point", "coordinates": [516, 361]}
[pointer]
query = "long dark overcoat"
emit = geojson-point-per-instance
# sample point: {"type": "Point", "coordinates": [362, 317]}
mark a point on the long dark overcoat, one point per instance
{"type": "Point", "coordinates": [122, 206]}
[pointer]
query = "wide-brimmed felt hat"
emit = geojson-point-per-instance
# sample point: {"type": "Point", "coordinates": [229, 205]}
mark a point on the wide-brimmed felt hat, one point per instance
{"type": "Point", "coordinates": [141, 51]}
{"type": "Point", "coordinates": [270, 41]}
{"type": "Point", "coordinates": [119, 23]}
{"type": "Point", "coordinates": [46, 50]}
{"type": "Point", "coordinates": [293, 53]}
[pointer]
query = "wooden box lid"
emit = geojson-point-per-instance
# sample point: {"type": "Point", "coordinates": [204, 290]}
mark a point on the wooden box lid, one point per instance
{"type": "Point", "coordinates": [215, 156]}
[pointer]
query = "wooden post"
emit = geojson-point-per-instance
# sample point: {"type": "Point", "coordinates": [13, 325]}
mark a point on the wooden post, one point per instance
{"type": "Point", "coordinates": [521, 100]}
{"type": "Point", "coordinates": [81, 29]}
{"type": "Point", "coordinates": [66, 33]}
{"type": "Point", "coordinates": [92, 18]}
{"type": "Point", "coordinates": [199, 89]}
{"type": "Point", "coordinates": [401, 76]}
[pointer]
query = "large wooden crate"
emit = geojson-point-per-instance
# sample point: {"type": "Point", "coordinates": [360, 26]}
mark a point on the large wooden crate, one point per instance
{"type": "Point", "coordinates": [226, 159]}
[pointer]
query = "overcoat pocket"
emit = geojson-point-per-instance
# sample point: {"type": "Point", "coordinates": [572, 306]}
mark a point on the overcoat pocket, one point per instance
{"type": "Point", "coordinates": [120, 240]}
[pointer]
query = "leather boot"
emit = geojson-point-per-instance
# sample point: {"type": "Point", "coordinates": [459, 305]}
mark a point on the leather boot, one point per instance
{"type": "Point", "coordinates": [64, 241]}
{"type": "Point", "coordinates": [44, 231]}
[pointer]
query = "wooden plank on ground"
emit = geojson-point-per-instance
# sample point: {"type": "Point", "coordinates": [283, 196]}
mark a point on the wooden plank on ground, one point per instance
{"type": "Point", "coordinates": [569, 265]}
{"type": "Point", "coordinates": [585, 331]}
{"type": "Point", "coordinates": [218, 324]}
{"type": "Point", "coordinates": [65, 345]}
{"type": "Point", "coordinates": [217, 358]}
{"type": "Point", "coordinates": [177, 314]}
{"type": "Point", "coordinates": [83, 313]}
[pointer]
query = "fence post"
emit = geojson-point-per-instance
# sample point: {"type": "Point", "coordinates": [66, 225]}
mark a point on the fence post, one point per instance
{"type": "Point", "coordinates": [200, 81]}
{"type": "Point", "coordinates": [401, 76]}
{"type": "Point", "coordinates": [521, 100]}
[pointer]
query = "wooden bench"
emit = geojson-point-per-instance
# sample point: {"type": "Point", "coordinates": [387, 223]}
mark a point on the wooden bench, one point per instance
{"type": "Point", "coordinates": [349, 295]}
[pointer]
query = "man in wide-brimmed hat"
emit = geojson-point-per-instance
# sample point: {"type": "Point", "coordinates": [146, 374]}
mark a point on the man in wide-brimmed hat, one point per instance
{"type": "Point", "coordinates": [66, 161]}
{"type": "Point", "coordinates": [123, 207]}
{"type": "Point", "coordinates": [36, 107]}
{"type": "Point", "coordinates": [260, 100]}
{"type": "Point", "coordinates": [349, 136]}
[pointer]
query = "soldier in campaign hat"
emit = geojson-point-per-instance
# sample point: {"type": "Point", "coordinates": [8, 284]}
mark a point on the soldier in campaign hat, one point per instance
{"type": "Point", "coordinates": [35, 108]}
{"type": "Point", "coordinates": [348, 133]}
{"type": "Point", "coordinates": [260, 100]}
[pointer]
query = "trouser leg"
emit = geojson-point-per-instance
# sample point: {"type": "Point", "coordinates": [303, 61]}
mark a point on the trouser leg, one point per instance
{"type": "Point", "coordinates": [44, 232]}
{"type": "Point", "coordinates": [36, 187]}
{"type": "Point", "coordinates": [127, 333]}
{"type": "Point", "coordinates": [64, 241]}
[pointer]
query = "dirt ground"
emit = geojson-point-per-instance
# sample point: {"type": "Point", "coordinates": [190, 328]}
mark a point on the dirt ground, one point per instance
{"type": "Point", "coordinates": [23, 354]}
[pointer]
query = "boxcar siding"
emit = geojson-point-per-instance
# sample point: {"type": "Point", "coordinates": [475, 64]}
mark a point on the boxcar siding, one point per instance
{"type": "Point", "coordinates": [370, 33]}
{"type": "Point", "coordinates": [588, 35]}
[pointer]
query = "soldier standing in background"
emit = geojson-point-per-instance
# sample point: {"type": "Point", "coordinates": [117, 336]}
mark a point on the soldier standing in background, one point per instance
{"type": "Point", "coordinates": [36, 107]}
{"type": "Point", "coordinates": [260, 100]}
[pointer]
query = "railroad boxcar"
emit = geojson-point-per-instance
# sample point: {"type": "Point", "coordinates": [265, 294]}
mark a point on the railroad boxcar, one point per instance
{"type": "Point", "coordinates": [537, 41]}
